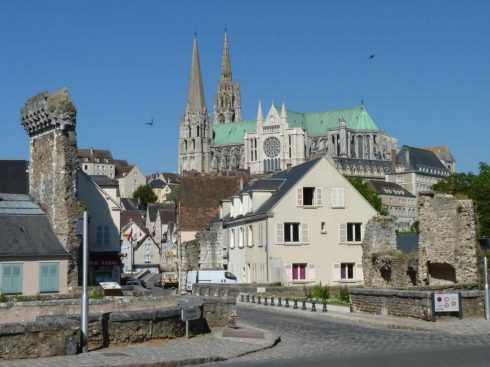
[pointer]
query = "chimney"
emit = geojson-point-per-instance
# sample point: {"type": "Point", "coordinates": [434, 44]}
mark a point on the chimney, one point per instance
{"type": "Point", "coordinates": [407, 158]}
{"type": "Point", "coordinates": [393, 160]}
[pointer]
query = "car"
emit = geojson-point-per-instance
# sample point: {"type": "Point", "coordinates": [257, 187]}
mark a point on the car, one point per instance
{"type": "Point", "coordinates": [140, 283]}
{"type": "Point", "coordinates": [158, 283]}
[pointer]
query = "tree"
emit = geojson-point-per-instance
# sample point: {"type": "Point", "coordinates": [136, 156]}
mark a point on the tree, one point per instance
{"type": "Point", "coordinates": [174, 194]}
{"type": "Point", "coordinates": [370, 195]}
{"type": "Point", "coordinates": [145, 195]}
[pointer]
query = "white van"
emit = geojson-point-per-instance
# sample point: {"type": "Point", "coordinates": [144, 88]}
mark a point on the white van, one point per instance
{"type": "Point", "coordinates": [209, 276]}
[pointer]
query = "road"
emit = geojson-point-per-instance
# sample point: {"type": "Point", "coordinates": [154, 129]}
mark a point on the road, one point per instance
{"type": "Point", "coordinates": [158, 291]}
{"type": "Point", "coordinates": [308, 341]}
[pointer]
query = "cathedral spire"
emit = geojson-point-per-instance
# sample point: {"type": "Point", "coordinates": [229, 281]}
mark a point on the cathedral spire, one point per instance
{"type": "Point", "coordinates": [260, 116]}
{"type": "Point", "coordinates": [225, 60]}
{"type": "Point", "coordinates": [195, 94]}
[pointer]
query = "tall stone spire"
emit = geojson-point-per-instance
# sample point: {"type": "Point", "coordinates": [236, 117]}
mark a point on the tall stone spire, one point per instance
{"type": "Point", "coordinates": [195, 93]}
{"type": "Point", "coordinates": [225, 60]}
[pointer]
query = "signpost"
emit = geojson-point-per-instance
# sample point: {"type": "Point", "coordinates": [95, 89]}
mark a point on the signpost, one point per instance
{"type": "Point", "coordinates": [446, 302]}
{"type": "Point", "coordinates": [188, 314]}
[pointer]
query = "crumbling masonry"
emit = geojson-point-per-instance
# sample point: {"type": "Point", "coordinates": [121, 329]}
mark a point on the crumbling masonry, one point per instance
{"type": "Point", "coordinates": [50, 121]}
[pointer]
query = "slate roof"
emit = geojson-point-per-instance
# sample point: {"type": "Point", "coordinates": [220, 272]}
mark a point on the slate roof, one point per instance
{"type": "Point", "coordinates": [153, 209]}
{"type": "Point", "coordinates": [421, 160]}
{"type": "Point", "coordinates": [26, 231]}
{"type": "Point", "coordinates": [122, 171]}
{"type": "Point", "coordinates": [389, 188]}
{"type": "Point", "coordinates": [132, 216]}
{"type": "Point", "coordinates": [157, 184]}
{"type": "Point", "coordinates": [14, 176]}
{"type": "Point", "coordinates": [103, 180]}
{"type": "Point", "coordinates": [130, 203]}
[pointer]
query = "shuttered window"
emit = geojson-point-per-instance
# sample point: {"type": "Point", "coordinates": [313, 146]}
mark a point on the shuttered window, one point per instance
{"type": "Point", "coordinates": [299, 196]}
{"type": "Point", "coordinates": [305, 238]}
{"type": "Point", "coordinates": [261, 234]}
{"type": "Point", "coordinates": [342, 232]}
{"type": "Point", "coordinates": [336, 272]}
{"type": "Point", "coordinates": [11, 276]}
{"type": "Point", "coordinates": [337, 197]}
{"type": "Point", "coordinates": [311, 271]}
{"type": "Point", "coordinates": [49, 277]}
{"type": "Point", "coordinates": [280, 233]}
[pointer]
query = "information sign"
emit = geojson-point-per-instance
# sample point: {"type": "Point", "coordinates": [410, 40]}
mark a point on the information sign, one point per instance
{"type": "Point", "coordinates": [192, 313]}
{"type": "Point", "coordinates": [446, 302]}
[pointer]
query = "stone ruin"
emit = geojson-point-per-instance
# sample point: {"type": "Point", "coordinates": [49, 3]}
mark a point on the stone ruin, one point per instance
{"type": "Point", "coordinates": [50, 121]}
{"type": "Point", "coordinates": [447, 251]}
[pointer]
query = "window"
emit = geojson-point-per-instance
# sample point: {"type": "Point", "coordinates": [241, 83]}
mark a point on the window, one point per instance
{"type": "Point", "coordinates": [338, 197]}
{"type": "Point", "coordinates": [240, 237]}
{"type": "Point", "coordinates": [11, 276]}
{"type": "Point", "coordinates": [354, 232]}
{"type": "Point", "coordinates": [291, 232]}
{"type": "Point", "coordinates": [147, 258]}
{"type": "Point", "coordinates": [86, 166]}
{"type": "Point", "coordinates": [299, 271]}
{"type": "Point", "coordinates": [103, 235]}
{"type": "Point", "coordinates": [323, 227]}
{"type": "Point", "coordinates": [147, 246]}
{"type": "Point", "coordinates": [250, 236]}
{"type": "Point", "coordinates": [232, 238]}
{"type": "Point", "coordinates": [308, 196]}
{"type": "Point", "coordinates": [347, 271]}
{"type": "Point", "coordinates": [49, 280]}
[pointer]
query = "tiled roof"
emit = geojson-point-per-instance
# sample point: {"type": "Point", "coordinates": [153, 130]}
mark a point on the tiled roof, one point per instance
{"type": "Point", "coordinates": [132, 216]}
{"type": "Point", "coordinates": [14, 177]}
{"type": "Point", "coordinates": [200, 198]}
{"type": "Point", "coordinates": [388, 188]}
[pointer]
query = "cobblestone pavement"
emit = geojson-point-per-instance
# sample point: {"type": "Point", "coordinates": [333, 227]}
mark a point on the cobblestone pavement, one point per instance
{"type": "Point", "coordinates": [305, 334]}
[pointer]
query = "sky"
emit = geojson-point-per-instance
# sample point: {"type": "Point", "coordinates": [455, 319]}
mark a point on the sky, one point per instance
{"type": "Point", "coordinates": [126, 62]}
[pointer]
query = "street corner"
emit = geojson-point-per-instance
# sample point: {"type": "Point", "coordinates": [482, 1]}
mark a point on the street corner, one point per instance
{"type": "Point", "coordinates": [250, 335]}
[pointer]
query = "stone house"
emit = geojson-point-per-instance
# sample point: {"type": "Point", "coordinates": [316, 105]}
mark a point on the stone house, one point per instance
{"type": "Point", "coordinates": [129, 178]}
{"type": "Point", "coordinates": [96, 162]}
{"type": "Point", "coordinates": [32, 260]}
{"type": "Point", "coordinates": [298, 226]}
{"type": "Point", "coordinates": [401, 204]}
{"type": "Point", "coordinates": [100, 194]}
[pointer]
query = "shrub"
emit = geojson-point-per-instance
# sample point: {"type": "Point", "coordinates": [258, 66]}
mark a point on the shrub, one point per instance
{"type": "Point", "coordinates": [3, 298]}
{"type": "Point", "coordinates": [344, 294]}
{"type": "Point", "coordinates": [96, 294]}
{"type": "Point", "coordinates": [321, 292]}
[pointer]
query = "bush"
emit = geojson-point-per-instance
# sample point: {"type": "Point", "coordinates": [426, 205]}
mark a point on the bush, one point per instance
{"type": "Point", "coordinates": [3, 298]}
{"type": "Point", "coordinates": [344, 294]}
{"type": "Point", "coordinates": [321, 292]}
{"type": "Point", "coordinates": [96, 294]}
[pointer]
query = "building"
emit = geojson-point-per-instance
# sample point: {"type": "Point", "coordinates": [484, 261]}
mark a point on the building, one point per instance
{"type": "Point", "coordinates": [147, 254]}
{"type": "Point", "coordinates": [100, 194]}
{"type": "Point", "coordinates": [445, 156]}
{"type": "Point", "coordinates": [417, 170]}
{"type": "Point", "coordinates": [302, 225]}
{"type": "Point", "coordinates": [277, 140]}
{"type": "Point", "coordinates": [96, 162]}
{"type": "Point", "coordinates": [132, 231]}
{"type": "Point", "coordinates": [401, 204]}
{"type": "Point", "coordinates": [160, 189]}
{"type": "Point", "coordinates": [129, 178]}
{"type": "Point", "coordinates": [32, 260]}
{"type": "Point", "coordinates": [14, 176]}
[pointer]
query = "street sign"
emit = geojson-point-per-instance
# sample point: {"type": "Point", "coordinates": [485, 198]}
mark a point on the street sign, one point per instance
{"type": "Point", "coordinates": [192, 313]}
{"type": "Point", "coordinates": [446, 302]}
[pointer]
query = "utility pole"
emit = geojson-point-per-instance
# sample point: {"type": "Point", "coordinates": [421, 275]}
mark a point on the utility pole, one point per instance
{"type": "Point", "coordinates": [84, 300]}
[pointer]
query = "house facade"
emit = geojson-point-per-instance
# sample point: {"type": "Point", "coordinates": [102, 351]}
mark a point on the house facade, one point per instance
{"type": "Point", "coordinates": [129, 178]}
{"type": "Point", "coordinates": [298, 226]}
{"type": "Point", "coordinates": [96, 162]}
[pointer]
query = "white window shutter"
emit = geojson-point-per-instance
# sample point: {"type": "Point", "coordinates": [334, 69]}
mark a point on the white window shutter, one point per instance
{"type": "Point", "coordinates": [333, 198]}
{"type": "Point", "coordinates": [237, 237]}
{"type": "Point", "coordinates": [311, 272]}
{"type": "Point", "coordinates": [245, 236]}
{"type": "Point", "coordinates": [342, 232]}
{"type": "Point", "coordinates": [280, 233]}
{"type": "Point", "coordinates": [336, 272]}
{"type": "Point", "coordinates": [289, 272]}
{"type": "Point", "coordinates": [305, 233]}
{"type": "Point", "coordinates": [232, 239]}
{"type": "Point", "coordinates": [359, 275]}
{"type": "Point", "coordinates": [299, 196]}
{"type": "Point", "coordinates": [318, 196]}
{"type": "Point", "coordinates": [261, 234]}
{"type": "Point", "coordinates": [225, 238]}
{"type": "Point", "coordinates": [341, 197]}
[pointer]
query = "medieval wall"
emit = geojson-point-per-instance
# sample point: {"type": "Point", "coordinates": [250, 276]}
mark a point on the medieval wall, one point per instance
{"type": "Point", "coordinates": [447, 247]}
{"type": "Point", "coordinates": [49, 120]}
{"type": "Point", "coordinates": [211, 252]}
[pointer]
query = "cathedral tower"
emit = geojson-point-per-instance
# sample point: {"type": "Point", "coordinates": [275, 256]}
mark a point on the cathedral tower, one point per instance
{"type": "Point", "coordinates": [227, 101]}
{"type": "Point", "coordinates": [195, 126]}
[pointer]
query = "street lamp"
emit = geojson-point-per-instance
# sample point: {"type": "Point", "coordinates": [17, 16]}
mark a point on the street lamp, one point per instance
{"type": "Point", "coordinates": [485, 245]}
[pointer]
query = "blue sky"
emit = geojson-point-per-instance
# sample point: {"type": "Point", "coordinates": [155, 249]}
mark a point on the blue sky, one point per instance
{"type": "Point", "coordinates": [126, 61]}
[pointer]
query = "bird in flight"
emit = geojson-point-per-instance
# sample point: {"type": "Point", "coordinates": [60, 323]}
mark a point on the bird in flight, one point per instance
{"type": "Point", "coordinates": [150, 123]}
{"type": "Point", "coordinates": [371, 57]}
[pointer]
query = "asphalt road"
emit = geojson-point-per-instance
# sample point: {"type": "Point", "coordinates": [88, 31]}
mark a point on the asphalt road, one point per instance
{"type": "Point", "coordinates": [307, 341]}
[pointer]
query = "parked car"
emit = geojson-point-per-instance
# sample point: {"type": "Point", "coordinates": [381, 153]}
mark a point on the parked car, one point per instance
{"type": "Point", "coordinates": [141, 283]}
{"type": "Point", "coordinates": [209, 276]}
{"type": "Point", "coordinates": [170, 280]}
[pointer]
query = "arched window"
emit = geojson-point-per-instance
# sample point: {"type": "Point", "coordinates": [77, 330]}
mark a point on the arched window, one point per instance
{"type": "Point", "coordinates": [198, 130]}
{"type": "Point", "coordinates": [189, 131]}
{"type": "Point", "coordinates": [193, 145]}
{"type": "Point", "coordinates": [184, 145]}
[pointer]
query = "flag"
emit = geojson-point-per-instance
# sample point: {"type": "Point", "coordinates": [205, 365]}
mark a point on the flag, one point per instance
{"type": "Point", "coordinates": [129, 235]}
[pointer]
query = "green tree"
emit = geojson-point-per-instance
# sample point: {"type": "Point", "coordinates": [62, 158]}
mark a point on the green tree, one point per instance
{"type": "Point", "coordinates": [145, 195]}
{"type": "Point", "coordinates": [369, 194]}
{"type": "Point", "coordinates": [174, 194]}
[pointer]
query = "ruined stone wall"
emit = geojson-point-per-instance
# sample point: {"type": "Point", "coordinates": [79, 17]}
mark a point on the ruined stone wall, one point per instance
{"type": "Point", "coordinates": [211, 252]}
{"type": "Point", "coordinates": [447, 251]}
{"type": "Point", "coordinates": [50, 121]}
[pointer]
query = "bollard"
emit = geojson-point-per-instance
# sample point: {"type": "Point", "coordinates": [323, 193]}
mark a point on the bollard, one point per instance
{"type": "Point", "coordinates": [279, 303]}
{"type": "Point", "coordinates": [265, 301]}
{"type": "Point", "coordinates": [324, 306]}
{"type": "Point", "coordinates": [253, 299]}
{"type": "Point", "coordinates": [242, 298]}
{"type": "Point", "coordinates": [272, 301]}
{"type": "Point", "coordinates": [287, 303]}
{"type": "Point", "coordinates": [303, 307]}
{"type": "Point", "coordinates": [295, 304]}
{"type": "Point", "coordinates": [258, 300]}
{"type": "Point", "coordinates": [313, 306]}
{"type": "Point", "coordinates": [248, 297]}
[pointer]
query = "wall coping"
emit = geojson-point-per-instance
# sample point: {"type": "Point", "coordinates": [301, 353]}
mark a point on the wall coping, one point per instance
{"type": "Point", "coordinates": [404, 293]}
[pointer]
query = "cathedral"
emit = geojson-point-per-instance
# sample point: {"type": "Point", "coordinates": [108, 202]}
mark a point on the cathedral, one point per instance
{"type": "Point", "coordinates": [277, 139]}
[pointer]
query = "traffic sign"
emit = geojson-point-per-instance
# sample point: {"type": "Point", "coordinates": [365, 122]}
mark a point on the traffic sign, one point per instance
{"type": "Point", "coordinates": [192, 313]}
{"type": "Point", "coordinates": [446, 302]}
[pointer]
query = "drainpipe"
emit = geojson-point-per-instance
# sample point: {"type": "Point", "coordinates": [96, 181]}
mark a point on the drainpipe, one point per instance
{"type": "Point", "coordinates": [267, 248]}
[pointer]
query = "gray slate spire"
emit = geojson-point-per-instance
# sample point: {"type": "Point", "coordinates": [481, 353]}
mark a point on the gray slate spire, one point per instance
{"type": "Point", "coordinates": [195, 94]}
{"type": "Point", "coordinates": [225, 60]}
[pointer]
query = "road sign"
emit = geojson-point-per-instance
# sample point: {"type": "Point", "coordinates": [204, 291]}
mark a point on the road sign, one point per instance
{"type": "Point", "coordinates": [192, 313]}
{"type": "Point", "coordinates": [446, 302]}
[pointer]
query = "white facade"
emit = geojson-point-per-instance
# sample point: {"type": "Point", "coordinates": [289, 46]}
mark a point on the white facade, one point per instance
{"type": "Point", "coordinates": [129, 181]}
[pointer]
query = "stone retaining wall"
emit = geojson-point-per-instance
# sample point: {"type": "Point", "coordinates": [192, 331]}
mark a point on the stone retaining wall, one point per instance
{"type": "Point", "coordinates": [408, 303]}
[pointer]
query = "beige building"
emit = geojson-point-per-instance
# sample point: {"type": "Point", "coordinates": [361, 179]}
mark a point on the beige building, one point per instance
{"type": "Point", "coordinates": [129, 178]}
{"type": "Point", "coordinates": [298, 226]}
{"type": "Point", "coordinates": [32, 260]}
{"type": "Point", "coordinates": [96, 162]}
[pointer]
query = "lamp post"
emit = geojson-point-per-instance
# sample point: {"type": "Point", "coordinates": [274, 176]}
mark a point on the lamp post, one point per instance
{"type": "Point", "coordinates": [485, 245]}
{"type": "Point", "coordinates": [84, 300]}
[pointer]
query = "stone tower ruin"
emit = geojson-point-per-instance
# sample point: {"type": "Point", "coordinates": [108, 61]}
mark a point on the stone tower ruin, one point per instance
{"type": "Point", "coordinates": [50, 121]}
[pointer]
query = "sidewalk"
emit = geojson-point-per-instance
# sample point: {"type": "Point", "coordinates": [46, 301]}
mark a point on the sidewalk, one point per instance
{"type": "Point", "coordinates": [445, 325]}
{"type": "Point", "coordinates": [220, 345]}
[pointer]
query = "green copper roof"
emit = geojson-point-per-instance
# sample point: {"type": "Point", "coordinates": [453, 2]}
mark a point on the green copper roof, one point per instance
{"type": "Point", "coordinates": [233, 132]}
{"type": "Point", "coordinates": [315, 123]}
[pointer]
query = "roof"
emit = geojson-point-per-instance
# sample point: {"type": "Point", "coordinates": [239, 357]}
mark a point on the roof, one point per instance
{"type": "Point", "coordinates": [129, 203]}
{"type": "Point", "coordinates": [132, 216]}
{"type": "Point", "coordinates": [25, 229]}
{"type": "Point", "coordinates": [91, 154]}
{"type": "Point", "coordinates": [265, 184]}
{"type": "Point", "coordinates": [442, 152]}
{"type": "Point", "coordinates": [122, 171]}
{"type": "Point", "coordinates": [153, 209]}
{"type": "Point", "coordinates": [421, 160]}
{"type": "Point", "coordinates": [157, 184]}
{"type": "Point", "coordinates": [14, 176]}
{"type": "Point", "coordinates": [200, 198]}
{"type": "Point", "coordinates": [315, 123]}
{"type": "Point", "coordinates": [103, 180]}
{"type": "Point", "coordinates": [389, 188]}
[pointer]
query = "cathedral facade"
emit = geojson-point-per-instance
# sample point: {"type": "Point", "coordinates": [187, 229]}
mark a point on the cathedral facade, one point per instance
{"type": "Point", "coordinates": [276, 140]}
